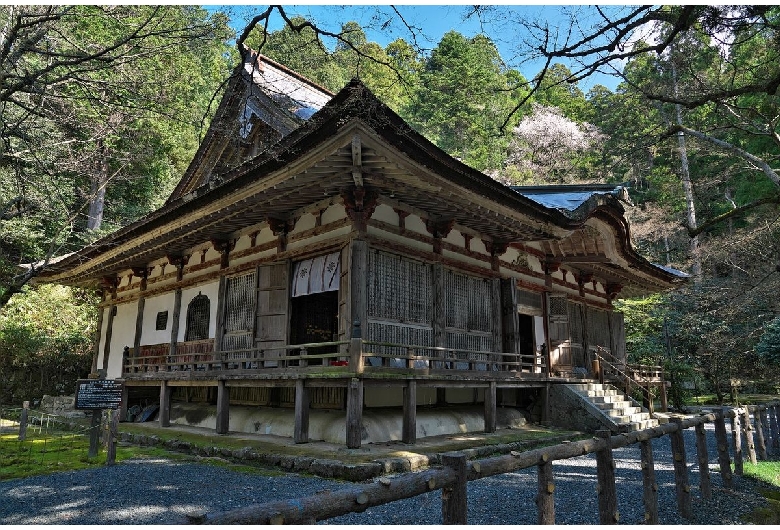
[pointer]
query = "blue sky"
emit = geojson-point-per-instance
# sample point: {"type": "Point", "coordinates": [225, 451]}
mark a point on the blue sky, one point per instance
{"type": "Point", "coordinates": [433, 21]}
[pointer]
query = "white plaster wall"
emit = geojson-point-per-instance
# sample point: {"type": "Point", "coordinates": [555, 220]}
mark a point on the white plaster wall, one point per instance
{"type": "Point", "coordinates": [306, 222]}
{"type": "Point", "coordinates": [152, 306]}
{"type": "Point", "coordinates": [122, 334]}
{"type": "Point", "coordinates": [242, 243]}
{"type": "Point", "coordinates": [209, 289]}
{"type": "Point", "coordinates": [477, 245]}
{"type": "Point", "coordinates": [415, 224]}
{"type": "Point", "coordinates": [385, 214]}
{"type": "Point", "coordinates": [333, 213]}
{"type": "Point", "coordinates": [456, 238]}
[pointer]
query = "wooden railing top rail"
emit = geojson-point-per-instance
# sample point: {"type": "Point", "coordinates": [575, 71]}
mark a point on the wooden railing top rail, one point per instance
{"type": "Point", "coordinates": [328, 504]}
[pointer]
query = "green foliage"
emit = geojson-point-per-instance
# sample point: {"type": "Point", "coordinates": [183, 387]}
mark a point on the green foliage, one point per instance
{"type": "Point", "coordinates": [768, 347]}
{"type": "Point", "coordinates": [46, 339]}
{"type": "Point", "coordinates": [465, 93]}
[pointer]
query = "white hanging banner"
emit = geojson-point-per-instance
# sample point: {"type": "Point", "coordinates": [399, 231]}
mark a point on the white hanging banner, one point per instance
{"type": "Point", "coordinates": [316, 275]}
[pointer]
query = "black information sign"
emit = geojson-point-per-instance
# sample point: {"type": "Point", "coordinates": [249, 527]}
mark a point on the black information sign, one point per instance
{"type": "Point", "coordinates": [92, 394]}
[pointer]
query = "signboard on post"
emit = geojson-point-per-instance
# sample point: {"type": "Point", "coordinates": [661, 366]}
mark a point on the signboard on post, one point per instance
{"type": "Point", "coordinates": [97, 394]}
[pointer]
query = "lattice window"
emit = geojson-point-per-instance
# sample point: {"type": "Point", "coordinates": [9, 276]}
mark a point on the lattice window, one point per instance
{"type": "Point", "coordinates": [239, 303]}
{"type": "Point", "coordinates": [399, 289]}
{"type": "Point", "coordinates": [557, 309]}
{"type": "Point", "coordinates": [469, 302]}
{"type": "Point", "coordinates": [161, 322]}
{"type": "Point", "coordinates": [198, 313]}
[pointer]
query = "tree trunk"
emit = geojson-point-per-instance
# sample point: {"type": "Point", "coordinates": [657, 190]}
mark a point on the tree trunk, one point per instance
{"type": "Point", "coordinates": [97, 192]}
{"type": "Point", "coordinates": [685, 176]}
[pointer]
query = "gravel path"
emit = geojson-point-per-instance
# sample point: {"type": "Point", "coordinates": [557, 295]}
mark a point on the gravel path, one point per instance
{"type": "Point", "coordinates": [160, 491]}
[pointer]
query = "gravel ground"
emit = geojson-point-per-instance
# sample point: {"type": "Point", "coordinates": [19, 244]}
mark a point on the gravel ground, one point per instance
{"type": "Point", "coordinates": [160, 491]}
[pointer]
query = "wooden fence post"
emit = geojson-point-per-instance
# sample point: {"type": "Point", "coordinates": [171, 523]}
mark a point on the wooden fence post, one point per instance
{"type": "Point", "coordinates": [650, 487]}
{"type": "Point", "coordinates": [545, 493]}
{"type": "Point", "coordinates": [94, 433]}
{"type": "Point", "coordinates": [747, 428]}
{"type": "Point", "coordinates": [704, 461]}
{"type": "Point", "coordinates": [736, 439]}
{"type": "Point", "coordinates": [681, 471]}
{"type": "Point", "coordinates": [23, 421]}
{"type": "Point", "coordinates": [454, 499]}
{"type": "Point", "coordinates": [774, 428]}
{"type": "Point", "coordinates": [760, 440]}
{"type": "Point", "coordinates": [723, 449]}
{"type": "Point", "coordinates": [605, 471]}
{"type": "Point", "coordinates": [113, 430]}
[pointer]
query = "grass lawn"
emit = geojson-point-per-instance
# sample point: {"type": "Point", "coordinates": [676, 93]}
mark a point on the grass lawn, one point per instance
{"type": "Point", "coordinates": [769, 473]}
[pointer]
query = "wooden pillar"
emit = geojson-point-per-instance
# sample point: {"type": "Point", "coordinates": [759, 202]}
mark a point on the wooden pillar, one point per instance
{"type": "Point", "coordinates": [605, 474]}
{"type": "Point", "coordinates": [722, 442]}
{"type": "Point", "coordinates": [683, 488]}
{"type": "Point", "coordinates": [439, 323]}
{"type": "Point", "coordinates": [736, 440]}
{"type": "Point", "coordinates": [747, 429]}
{"type": "Point", "coordinates": [649, 485]}
{"type": "Point", "coordinates": [490, 407]}
{"type": "Point", "coordinates": [773, 422]}
{"type": "Point", "coordinates": [165, 404]}
{"type": "Point", "coordinates": [354, 413]}
{"type": "Point", "coordinates": [454, 499]}
{"type": "Point", "coordinates": [223, 408]}
{"type": "Point", "coordinates": [107, 344]}
{"type": "Point", "coordinates": [409, 429]}
{"type": "Point", "coordinates": [139, 324]}
{"type": "Point", "coordinates": [497, 325]}
{"type": "Point", "coordinates": [510, 322]}
{"type": "Point", "coordinates": [760, 440]}
{"type": "Point", "coordinates": [175, 323]}
{"type": "Point", "coordinates": [545, 493]}
{"type": "Point", "coordinates": [302, 403]}
{"type": "Point", "coordinates": [96, 350]}
{"type": "Point", "coordinates": [704, 461]}
{"type": "Point", "coordinates": [220, 324]}
{"type": "Point", "coordinates": [358, 277]}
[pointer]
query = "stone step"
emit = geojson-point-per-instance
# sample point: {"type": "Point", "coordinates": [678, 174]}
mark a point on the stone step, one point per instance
{"type": "Point", "coordinates": [599, 393]}
{"type": "Point", "coordinates": [624, 411]}
{"type": "Point", "coordinates": [619, 398]}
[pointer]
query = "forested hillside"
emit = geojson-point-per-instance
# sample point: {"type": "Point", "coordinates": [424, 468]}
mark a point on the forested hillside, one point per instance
{"type": "Point", "coordinates": [102, 109]}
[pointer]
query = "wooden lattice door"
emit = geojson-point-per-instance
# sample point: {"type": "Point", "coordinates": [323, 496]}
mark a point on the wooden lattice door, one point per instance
{"type": "Point", "coordinates": [239, 312]}
{"type": "Point", "coordinates": [558, 329]}
{"type": "Point", "coordinates": [273, 302]}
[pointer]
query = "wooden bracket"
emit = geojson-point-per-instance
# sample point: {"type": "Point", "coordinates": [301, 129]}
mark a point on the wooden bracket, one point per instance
{"type": "Point", "coordinates": [613, 290]}
{"type": "Point", "coordinates": [224, 247]}
{"type": "Point", "coordinates": [360, 203]}
{"type": "Point", "coordinates": [439, 228]}
{"type": "Point", "coordinates": [496, 249]}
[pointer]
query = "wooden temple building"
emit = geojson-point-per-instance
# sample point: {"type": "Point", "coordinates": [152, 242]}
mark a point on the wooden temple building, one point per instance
{"type": "Point", "coordinates": [319, 256]}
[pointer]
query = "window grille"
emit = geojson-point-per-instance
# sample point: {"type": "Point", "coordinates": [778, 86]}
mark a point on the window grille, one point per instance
{"type": "Point", "coordinates": [161, 323]}
{"type": "Point", "coordinates": [399, 289]}
{"type": "Point", "coordinates": [469, 302]}
{"type": "Point", "coordinates": [239, 312]}
{"type": "Point", "coordinates": [198, 312]}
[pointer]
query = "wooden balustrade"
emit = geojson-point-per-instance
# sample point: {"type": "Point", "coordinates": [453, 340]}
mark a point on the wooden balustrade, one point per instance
{"type": "Point", "coordinates": [199, 356]}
